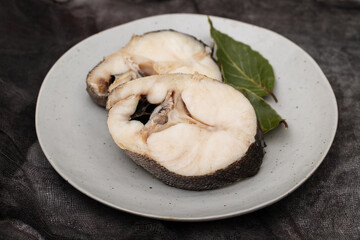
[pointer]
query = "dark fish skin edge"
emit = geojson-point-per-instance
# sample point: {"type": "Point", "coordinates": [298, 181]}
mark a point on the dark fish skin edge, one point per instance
{"type": "Point", "coordinates": [101, 100]}
{"type": "Point", "coordinates": [247, 166]}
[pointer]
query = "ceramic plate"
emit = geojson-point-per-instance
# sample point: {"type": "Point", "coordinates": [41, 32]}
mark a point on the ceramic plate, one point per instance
{"type": "Point", "coordinates": [73, 133]}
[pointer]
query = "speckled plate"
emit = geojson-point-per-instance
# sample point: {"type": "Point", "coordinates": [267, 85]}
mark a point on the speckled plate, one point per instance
{"type": "Point", "coordinates": [73, 134]}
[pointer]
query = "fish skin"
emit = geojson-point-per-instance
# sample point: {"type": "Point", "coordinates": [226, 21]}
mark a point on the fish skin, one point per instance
{"type": "Point", "coordinates": [247, 166]}
{"type": "Point", "coordinates": [98, 99]}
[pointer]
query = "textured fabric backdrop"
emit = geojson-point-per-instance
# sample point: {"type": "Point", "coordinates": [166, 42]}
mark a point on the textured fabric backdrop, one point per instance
{"type": "Point", "coordinates": [36, 203]}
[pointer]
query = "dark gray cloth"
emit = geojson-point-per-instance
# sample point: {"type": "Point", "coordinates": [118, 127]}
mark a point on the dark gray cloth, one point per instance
{"type": "Point", "coordinates": [36, 203]}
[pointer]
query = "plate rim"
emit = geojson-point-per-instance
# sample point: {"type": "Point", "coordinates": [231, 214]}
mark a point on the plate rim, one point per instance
{"type": "Point", "coordinates": [189, 219]}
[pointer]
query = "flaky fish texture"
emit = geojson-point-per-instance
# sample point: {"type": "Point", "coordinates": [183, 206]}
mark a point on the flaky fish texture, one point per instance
{"type": "Point", "coordinates": [188, 130]}
{"type": "Point", "coordinates": [152, 53]}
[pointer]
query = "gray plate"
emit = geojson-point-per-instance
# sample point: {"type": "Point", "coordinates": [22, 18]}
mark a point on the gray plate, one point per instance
{"type": "Point", "coordinates": [73, 134]}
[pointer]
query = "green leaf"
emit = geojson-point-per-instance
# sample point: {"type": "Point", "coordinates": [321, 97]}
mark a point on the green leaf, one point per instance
{"type": "Point", "coordinates": [267, 116]}
{"type": "Point", "coordinates": [242, 66]}
{"type": "Point", "coordinates": [249, 72]}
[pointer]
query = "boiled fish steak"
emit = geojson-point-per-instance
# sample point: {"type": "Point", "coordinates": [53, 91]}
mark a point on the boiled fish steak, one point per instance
{"type": "Point", "coordinates": [188, 130]}
{"type": "Point", "coordinates": [152, 53]}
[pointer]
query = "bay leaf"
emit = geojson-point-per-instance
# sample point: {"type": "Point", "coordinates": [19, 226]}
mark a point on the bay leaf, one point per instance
{"type": "Point", "coordinates": [242, 66]}
{"type": "Point", "coordinates": [268, 118]}
{"type": "Point", "coordinates": [249, 72]}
